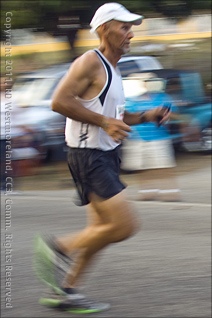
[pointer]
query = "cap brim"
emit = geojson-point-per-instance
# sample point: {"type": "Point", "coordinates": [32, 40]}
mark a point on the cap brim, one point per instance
{"type": "Point", "coordinates": [131, 18]}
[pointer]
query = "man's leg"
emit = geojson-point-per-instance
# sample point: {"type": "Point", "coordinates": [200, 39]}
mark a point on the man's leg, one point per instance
{"type": "Point", "coordinates": [109, 221]}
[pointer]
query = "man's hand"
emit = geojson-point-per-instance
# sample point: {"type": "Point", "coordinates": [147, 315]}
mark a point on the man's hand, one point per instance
{"type": "Point", "coordinates": [157, 115]}
{"type": "Point", "coordinates": [115, 128]}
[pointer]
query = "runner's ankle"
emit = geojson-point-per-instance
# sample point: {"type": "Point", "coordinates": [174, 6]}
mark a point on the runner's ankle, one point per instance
{"type": "Point", "coordinates": [69, 290]}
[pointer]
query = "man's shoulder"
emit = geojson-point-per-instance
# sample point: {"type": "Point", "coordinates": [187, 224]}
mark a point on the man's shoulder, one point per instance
{"type": "Point", "coordinates": [87, 63]}
{"type": "Point", "coordinates": [89, 59]}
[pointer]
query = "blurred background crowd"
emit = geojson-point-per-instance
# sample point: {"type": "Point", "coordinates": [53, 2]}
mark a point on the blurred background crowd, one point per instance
{"type": "Point", "coordinates": [170, 56]}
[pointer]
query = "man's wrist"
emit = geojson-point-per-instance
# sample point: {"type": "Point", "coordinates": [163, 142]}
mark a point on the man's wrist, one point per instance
{"type": "Point", "coordinates": [104, 123]}
{"type": "Point", "coordinates": [142, 118]}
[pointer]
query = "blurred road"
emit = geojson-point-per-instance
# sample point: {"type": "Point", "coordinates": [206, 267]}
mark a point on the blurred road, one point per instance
{"type": "Point", "coordinates": [164, 271]}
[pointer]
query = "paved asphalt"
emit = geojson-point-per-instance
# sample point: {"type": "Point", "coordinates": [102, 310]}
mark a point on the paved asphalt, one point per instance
{"type": "Point", "coordinates": [163, 271]}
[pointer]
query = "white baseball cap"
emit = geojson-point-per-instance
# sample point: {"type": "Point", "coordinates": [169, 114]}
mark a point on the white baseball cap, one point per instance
{"type": "Point", "coordinates": [113, 11]}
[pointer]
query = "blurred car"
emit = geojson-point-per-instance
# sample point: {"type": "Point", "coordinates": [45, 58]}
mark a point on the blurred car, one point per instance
{"type": "Point", "coordinates": [36, 129]}
{"type": "Point", "coordinates": [136, 64]}
{"type": "Point", "coordinates": [185, 87]}
{"type": "Point", "coordinates": [189, 128]}
{"type": "Point", "coordinates": [149, 146]}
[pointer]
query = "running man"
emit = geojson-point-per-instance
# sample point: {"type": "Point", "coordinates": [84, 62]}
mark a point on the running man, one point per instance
{"type": "Point", "coordinates": [91, 97]}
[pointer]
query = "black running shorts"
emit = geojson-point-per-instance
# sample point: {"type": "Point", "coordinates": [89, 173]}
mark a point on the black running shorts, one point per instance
{"type": "Point", "coordinates": [95, 171]}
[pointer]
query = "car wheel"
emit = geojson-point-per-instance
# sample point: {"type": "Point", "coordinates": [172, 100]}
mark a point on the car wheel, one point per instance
{"type": "Point", "coordinates": [206, 143]}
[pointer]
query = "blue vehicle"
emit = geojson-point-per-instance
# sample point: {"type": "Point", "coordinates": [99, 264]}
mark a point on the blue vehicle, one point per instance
{"type": "Point", "coordinates": [184, 90]}
{"type": "Point", "coordinates": [189, 128]}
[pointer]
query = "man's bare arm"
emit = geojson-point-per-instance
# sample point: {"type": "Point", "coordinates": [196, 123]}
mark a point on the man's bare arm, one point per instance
{"type": "Point", "coordinates": [82, 80]}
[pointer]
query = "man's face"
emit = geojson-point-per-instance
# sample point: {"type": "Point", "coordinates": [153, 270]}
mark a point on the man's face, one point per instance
{"type": "Point", "coordinates": [119, 35]}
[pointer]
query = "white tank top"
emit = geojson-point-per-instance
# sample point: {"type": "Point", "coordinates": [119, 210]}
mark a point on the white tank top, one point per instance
{"type": "Point", "coordinates": [109, 102]}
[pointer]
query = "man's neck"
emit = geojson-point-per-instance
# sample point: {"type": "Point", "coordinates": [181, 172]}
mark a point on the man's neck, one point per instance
{"type": "Point", "coordinates": [111, 55]}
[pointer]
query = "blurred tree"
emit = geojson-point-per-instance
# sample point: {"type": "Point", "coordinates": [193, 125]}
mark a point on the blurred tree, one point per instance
{"type": "Point", "coordinates": [173, 8]}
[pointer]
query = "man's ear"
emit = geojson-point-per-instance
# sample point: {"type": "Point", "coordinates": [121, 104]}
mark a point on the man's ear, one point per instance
{"type": "Point", "coordinates": [106, 27]}
{"type": "Point", "coordinates": [102, 28]}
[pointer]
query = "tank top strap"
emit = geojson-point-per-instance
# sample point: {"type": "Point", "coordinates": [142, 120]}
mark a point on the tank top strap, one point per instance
{"type": "Point", "coordinates": [109, 73]}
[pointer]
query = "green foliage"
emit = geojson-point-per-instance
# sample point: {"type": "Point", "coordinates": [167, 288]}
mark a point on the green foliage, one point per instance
{"type": "Point", "coordinates": [23, 15]}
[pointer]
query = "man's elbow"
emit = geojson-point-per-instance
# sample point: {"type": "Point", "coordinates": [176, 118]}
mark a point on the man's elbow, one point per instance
{"type": "Point", "coordinates": [55, 106]}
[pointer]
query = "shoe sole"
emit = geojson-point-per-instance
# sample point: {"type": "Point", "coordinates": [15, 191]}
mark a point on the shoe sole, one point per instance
{"type": "Point", "coordinates": [58, 304]}
{"type": "Point", "coordinates": [44, 259]}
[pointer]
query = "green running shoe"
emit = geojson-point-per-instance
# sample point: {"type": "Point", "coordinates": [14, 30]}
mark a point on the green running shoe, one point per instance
{"type": "Point", "coordinates": [74, 304]}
